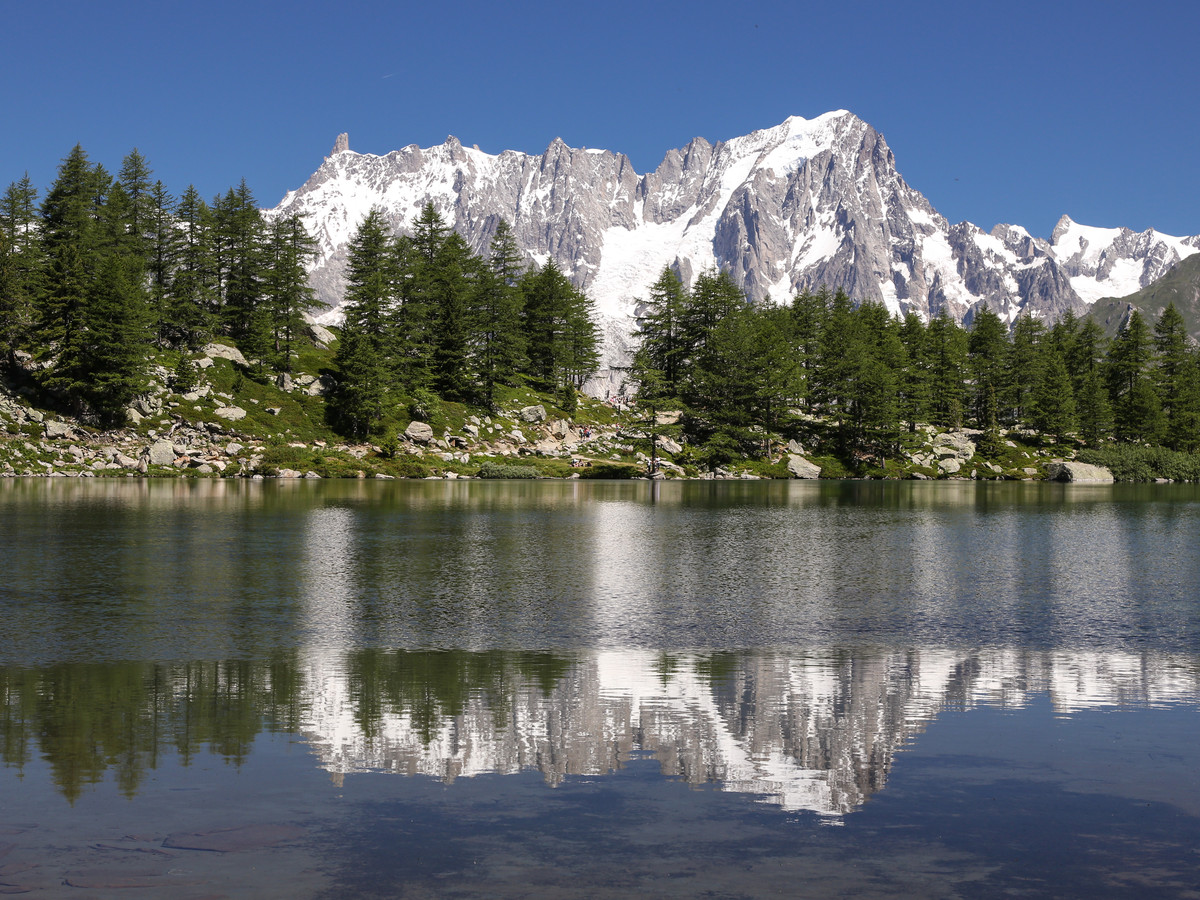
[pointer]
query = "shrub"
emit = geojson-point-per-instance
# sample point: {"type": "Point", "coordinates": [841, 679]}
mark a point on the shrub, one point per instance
{"type": "Point", "coordinates": [506, 470]}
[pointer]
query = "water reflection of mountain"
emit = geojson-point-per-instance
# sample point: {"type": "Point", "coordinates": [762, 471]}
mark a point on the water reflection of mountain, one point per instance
{"type": "Point", "coordinates": [817, 731]}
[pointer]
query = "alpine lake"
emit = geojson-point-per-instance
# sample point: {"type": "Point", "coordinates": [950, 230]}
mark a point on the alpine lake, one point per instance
{"type": "Point", "coordinates": [328, 689]}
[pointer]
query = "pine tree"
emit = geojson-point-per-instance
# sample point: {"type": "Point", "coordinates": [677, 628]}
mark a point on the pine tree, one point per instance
{"type": "Point", "coordinates": [987, 355]}
{"type": "Point", "coordinates": [659, 334]}
{"type": "Point", "coordinates": [947, 355]}
{"type": "Point", "coordinates": [20, 265]}
{"type": "Point", "coordinates": [1137, 409]}
{"type": "Point", "coordinates": [70, 240]}
{"type": "Point", "coordinates": [454, 281]}
{"type": "Point", "coordinates": [288, 293]}
{"type": "Point", "coordinates": [240, 230]}
{"type": "Point", "coordinates": [809, 312]}
{"type": "Point", "coordinates": [162, 245]}
{"type": "Point", "coordinates": [1053, 398]}
{"type": "Point", "coordinates": [193, 293]}
{"type": "Point", "coordinates": [915, 375]}
{"type": "Point", "coordinates": [1026, 359]}
{"type": "Point", "coordinates": [500, 345]}
{"type": "Point", "coordinates": [1175, 379]}
{"type": "Point", "coordinates": [363, 379]}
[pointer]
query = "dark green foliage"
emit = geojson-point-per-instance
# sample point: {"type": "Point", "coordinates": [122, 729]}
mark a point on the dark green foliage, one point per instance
{"type": "Point", "coordinates": [1130, 462]}
{"type": "Point", "coordinates": [495, 470]}
{"type": "Point", "coordinates": [609, 471]}
{"type": "Point", "coordinates": [287, 292]}
{"type": "Point", "coordinates": [185, 376]}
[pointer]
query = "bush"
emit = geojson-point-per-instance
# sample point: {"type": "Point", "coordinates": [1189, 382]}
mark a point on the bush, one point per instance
{"type": "Point", "coordinates": [609, 470]}
{"type": "Point", "coordinates": [1131, 462]}
{"type": "Point", "coordinates": [505, 470]}
{"type": "Point", "coordinates": [185, 377]}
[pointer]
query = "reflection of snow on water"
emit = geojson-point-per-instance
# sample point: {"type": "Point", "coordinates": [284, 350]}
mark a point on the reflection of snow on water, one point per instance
{"type": "Point", "coordinates": [816, 732]}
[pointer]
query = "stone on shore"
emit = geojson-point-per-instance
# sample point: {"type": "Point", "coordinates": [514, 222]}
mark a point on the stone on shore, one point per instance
{"type": "Point", "coordinates": [1078, 473]}
{"type": "Point", "coordinates": [799, 467]}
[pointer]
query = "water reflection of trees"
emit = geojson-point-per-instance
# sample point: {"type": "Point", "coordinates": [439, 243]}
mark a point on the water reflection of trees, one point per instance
{"type": "Point", "coordinates": [815, 731]}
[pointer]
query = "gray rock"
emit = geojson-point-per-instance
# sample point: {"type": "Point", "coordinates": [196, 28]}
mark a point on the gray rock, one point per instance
{"type": "Point", "coordinates": [161, 453]}
{"type": "Point", "coordinates": [232, 413]}
{"type": "Point", "coordinates": [533, 414]}
{"type": "Point", "coordinates": [793, 446]}
{"type": "Point", "coordinates": [204, 362]}
{"type": "Point", "coordinates": [284, 381]}
{"type": "Point", "coordinates": [321, 335]}
{"type": "Point", "coordinates": [233, 448]}
{"type": "Point", "coordinates": [956, 444]}
{"type": "Point", "coordinates": [419, 432]}
{"type": "Point", "coordinates": [951, 466]}
{"type": "Point", "coordinates": [799, 467]}
{"type": "Point", "coordinates": [56, 429]}
{"type": "Point", "coordinates": [223, 351]}
{"type": "Point", "coordinates": [1077, 472]}
{"type": "Point", "coordinates": [668, 446]}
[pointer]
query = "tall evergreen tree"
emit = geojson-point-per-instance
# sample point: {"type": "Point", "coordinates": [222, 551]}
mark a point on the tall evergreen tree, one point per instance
{"type": "Point", "coordinates": [20, 265]}
{"type": "Point", "coordinates": [363, 379]}
{"type": "Point", "coordinates": [987, 355]}
{"type": "Point", "coordinates": [1175, 378]}
{"type": "Point", "coordinates": [499, 343]}
{"type": "Point", "coordinates": [193, 293]}
{"type": "Point", "coordinates": [947, 354]}
{"type": "Point", "coordinates": [288, 293]}
{"type": "Point", "coordinates": [660, 334]}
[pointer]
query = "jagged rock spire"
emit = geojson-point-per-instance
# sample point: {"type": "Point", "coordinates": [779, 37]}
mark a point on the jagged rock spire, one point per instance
{"type": "Point", "coordinates": [342, 144]}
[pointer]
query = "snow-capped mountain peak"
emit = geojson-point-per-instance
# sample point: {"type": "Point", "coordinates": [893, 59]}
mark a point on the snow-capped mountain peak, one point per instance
{"type": "Point", "coordinates": [804, 204]}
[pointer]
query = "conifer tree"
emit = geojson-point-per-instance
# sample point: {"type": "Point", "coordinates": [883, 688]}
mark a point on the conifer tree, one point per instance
{"type": "Point", "coordinates": [947, 355]}
{"type": "Point", "coordinates": [20, 265]}
{"type": "Point", "coordinates": [915, 375]}
{"type": "Point", "coordinates": [453, 282]}
{"type": "Point", "coordinates": [1175, 378]}
{"type": "Point", "coordinates": [193, 294]}
{"type": "Point", "coordinates": [987, 355]}
{"type": "Point", "coordinates": [660, 337]}
{"type": "Point", "coordinates": [288, 293]}
{"type": "Point", "coordinates": [497, 315]}
{"type": "Point", "coordinates": [1053, 397]}
{"type": "Point", "coordinates": [363, 379]}
{"type": "Point", "coordinates": [1026, 360]}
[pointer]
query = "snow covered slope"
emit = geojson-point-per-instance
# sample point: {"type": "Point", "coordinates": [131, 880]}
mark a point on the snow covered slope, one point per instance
{"type": "Point", "coordinates": [804, 204]}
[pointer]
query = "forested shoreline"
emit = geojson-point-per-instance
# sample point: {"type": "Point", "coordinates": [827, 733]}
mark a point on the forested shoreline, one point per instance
{"type": "Point", "coordinates": [108, 281]}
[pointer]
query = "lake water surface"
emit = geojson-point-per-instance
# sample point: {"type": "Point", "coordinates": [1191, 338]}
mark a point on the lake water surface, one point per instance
{"type": "Point", "coordinates": [546, 689]}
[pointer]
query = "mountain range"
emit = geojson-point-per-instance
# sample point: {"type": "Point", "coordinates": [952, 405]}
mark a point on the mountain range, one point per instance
{"type": "Point", "coordinates": [807, 203]}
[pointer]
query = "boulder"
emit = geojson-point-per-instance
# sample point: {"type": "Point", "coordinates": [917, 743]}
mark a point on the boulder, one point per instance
{"type": "Point", "coordinates": [321, 335]}
{"type": "Point", "coordinates": [230, 412]}
{"type": "Point", "coordinates": [55, 429]}
{"type": "Point", "coordinates": [799, 467]}
{"type": "Point", "coordinates": [533, 414]}
{"type": "Point", "coordinates": [951, 466]}
{"type": "Point", "coordinates": [1077, 472]}
{"type": "Point", "coordinates": [668, 446]}
{"type": "Point", "coordinates": [223, 351]}
{"type": "Point", "coordinates": [419, 432]}
{"type": "Point", "coordinates": [794, 446]}
{"type": "Point", "coordinates": [955, 444]}
{"type": "Point", "coordinates": [161, 453]}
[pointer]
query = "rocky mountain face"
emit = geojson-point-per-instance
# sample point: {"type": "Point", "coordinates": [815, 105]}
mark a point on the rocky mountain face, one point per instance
{"type": "Point", "coordinates": [804, 204]}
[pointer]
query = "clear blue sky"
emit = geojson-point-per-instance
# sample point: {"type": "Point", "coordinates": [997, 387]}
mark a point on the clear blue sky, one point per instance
{"type": "Point", "coordinates": [997, 111]}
